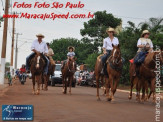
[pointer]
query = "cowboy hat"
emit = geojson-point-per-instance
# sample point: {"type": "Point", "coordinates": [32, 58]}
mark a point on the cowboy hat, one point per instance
{"type": "Point", "coordinates": [71, 47]}
{"type": "Point", "coordinates": [145, 32]}
{"type": "Point", "coordinates": [40, 35]}
{"type": "Point", "coordinates": [110, 30]}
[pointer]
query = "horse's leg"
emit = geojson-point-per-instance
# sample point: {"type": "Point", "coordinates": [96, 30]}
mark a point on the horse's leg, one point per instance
{"type": "Point", "coordinates": [143, 91]}
{"type": "Point", "coordinates": [132, 84]}
{"type": "Point", "coordinates": [97, 85]}
{"type": "Point", "coordinates": [108, 82]}
{"type": "Point", "coordinates": [66, 85]}
{"type": "Point", "coordinates": [146, 88]}
{"type": "Point", "coordinates": [45, 77]}
{"type": "Point", "coordinates": [138, 90]}
{"type": "Point", "coordinates": [47, 80]}
{"type": "Point", "coordinates": [70, 84]}
{"type": "Point", "coordinates": [153, 89]}
{"type": "Point", "coordinates": [63, 81]}
{"type": "Point", "coordinates": [33, 81]}
{"type": "Point", "coordinates": [42, 82]}
{"type": "Point", "coordinates": [115, 85]}
{"type": "Point", "coordinates": [103, 86]}
{"type": "Point", "coordinates": [38, 77]}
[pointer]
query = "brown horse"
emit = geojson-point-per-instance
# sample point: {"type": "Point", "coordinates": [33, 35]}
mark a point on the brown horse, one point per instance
{"type": "Point", "coordinates": [146, 76]}
{"type": "Point", "coordinates": [51, 69]}
{"type": "Point", "coordinates": [68, 74]}
{"type": "Point", "coordinates": [98, 75]}
{"type": "Point", "coordinates": [37, 68]}
{"type": "Point", "coordinates": [114, 69]}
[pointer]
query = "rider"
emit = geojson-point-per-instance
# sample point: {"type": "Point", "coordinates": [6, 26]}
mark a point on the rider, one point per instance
{"type": "Point", "coordinates": [107, 47]}
{"type": "Point", "coordinates": [70, 54]}
{"type": "Point", "coordinates": [50, 54]}
{"type": "Point", "coordinates": [144, 44]}
{"type": "Point", "coordinates": [22, 70]}
{"type": "Point", "coordinates": [38, 46]}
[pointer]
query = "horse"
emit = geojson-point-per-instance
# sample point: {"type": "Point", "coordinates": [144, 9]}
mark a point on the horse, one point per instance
{"type": "Point", "coordinates": [37, 65]}
{"type": "Point", "coordinates": [68, 73]}
{"type": "Point", "coordinates": [51, 69]}
{"type": "Point", "coordinates": [98, 75]}
{"type": "Point", "coordinates": [146, 76]}
{"type": "Point", "coordinates": [114, 70]}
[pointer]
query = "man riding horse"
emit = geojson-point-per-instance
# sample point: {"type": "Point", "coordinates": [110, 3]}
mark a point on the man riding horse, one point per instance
{"type": "Point", "coordinates": [107, 47]}
{"type": "Point", "coordinates": [38, 46]}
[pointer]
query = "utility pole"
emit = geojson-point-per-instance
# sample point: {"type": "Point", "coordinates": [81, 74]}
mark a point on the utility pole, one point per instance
{"type": "Point", "coordinates": [12, 46]}
{"type": "Point", "coordinates": [3, 55]}
{"type": "Point", "coordinates": [16, 50]}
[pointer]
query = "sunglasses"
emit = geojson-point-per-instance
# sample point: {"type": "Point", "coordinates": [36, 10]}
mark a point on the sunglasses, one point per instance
{"type": "Point", "coordinates": [110, 32]}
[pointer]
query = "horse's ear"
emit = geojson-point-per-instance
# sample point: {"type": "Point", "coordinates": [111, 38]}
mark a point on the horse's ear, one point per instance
{"type": "Point", "coordinates": [118, 45]}
{"type": "Point", "coordinates": [112, 45]}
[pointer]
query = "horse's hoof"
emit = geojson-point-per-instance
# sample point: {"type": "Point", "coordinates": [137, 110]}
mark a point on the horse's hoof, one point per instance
{"type": "Point", "coordinates": [129, 97]}
{"type": "Point", "coordinates": [33, 92]}
{"type": "Point", "coordinates": [98, 99]}
{"type": "Point", "coordinates": [64, 92]}
{"type": "Point", "coordinates": [109, 99]}
{"type": "Point", "coordinates": [37, 93]}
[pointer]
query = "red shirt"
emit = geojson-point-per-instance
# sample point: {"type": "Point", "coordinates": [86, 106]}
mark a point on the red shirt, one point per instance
{"type": "Point", "coordinates": [22, 70]}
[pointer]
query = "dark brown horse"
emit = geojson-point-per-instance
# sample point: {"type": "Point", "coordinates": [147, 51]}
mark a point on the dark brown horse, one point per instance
{"type": "Point", "coordinates": [51, 69]}
{"type": "Point", "coordinates": [98, 75]}
{"type": "Point", "coordinates": [114, 69]}
{"type": "Point", "coordinates": [68, 74]}
{"type": "Point", "coordinates": [37, 68]}
{"type": "Point", "coordinates": [146, 76]}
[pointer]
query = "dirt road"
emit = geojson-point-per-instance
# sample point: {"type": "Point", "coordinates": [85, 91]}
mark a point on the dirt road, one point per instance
{"type": "Point", "coordinates": [81, 106]}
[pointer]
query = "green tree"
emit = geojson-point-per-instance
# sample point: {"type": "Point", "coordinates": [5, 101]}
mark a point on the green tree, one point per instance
{"type": "Point", "coordinates": [82, 48]}
{"type": "Point", "coordinates": [91, 60]}
{"type": "Point", "coordinates": [96, 27]}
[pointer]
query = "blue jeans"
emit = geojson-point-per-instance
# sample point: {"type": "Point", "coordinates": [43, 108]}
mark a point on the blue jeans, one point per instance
{"type": "Point", "coordinates": [105, 57]}
{"type": "Point", "coordinates": [31, 56]}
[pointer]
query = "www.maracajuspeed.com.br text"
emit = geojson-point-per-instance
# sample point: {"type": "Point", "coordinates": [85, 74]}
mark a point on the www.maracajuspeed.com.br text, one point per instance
{"type": "Point", "coordinates": [52, 16]}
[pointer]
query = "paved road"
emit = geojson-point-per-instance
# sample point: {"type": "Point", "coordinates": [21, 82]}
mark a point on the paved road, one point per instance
{"type": "Point", "coordinates": [81, 106]}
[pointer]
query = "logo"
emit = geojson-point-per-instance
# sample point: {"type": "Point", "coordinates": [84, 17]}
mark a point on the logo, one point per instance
{"type": "Point", "coordinates": [17, 112]}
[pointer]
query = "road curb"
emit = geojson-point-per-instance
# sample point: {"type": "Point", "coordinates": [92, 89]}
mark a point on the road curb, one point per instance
{"type": "Point", "coordinates": [125, 91]}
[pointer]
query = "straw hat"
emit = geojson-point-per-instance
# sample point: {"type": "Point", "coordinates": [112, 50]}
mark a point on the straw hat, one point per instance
{"type": "Point", "coordinates": [145, 32]}
{"type": "Point", "coordinates": [110, 30]}
{"type": "Point", "coordinates": [40, 35]}
{"type": "Point", "coordinates": [71, 47]}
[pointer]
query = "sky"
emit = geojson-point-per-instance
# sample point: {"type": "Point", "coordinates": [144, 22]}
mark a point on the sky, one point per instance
{"type": "Point", "coordinates": [128, 10]}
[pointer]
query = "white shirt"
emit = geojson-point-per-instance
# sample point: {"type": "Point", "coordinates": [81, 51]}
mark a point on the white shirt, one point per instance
{"type": "Point", "coordinates": [70, 54]}
{"type": "Point", "coordinates": [145, 41]}
{"type": "Point", "coordinates": [107, 43]}
{"type": "Point", "coordinates": [41, 47]}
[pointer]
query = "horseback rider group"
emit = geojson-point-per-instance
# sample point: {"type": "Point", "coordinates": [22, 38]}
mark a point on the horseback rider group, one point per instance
{"type": "Point", "coordinates": [39, 46]}
{"type": "Point", "coordinates": [144, 44]}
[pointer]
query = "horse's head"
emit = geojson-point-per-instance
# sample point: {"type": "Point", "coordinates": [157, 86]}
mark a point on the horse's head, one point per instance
{"type": "Point", "coordinates": [72, 65]}
{"type": "Point", "coordinates": [38, 61]}
{"type": "Point", "coordinates": [116, 54]}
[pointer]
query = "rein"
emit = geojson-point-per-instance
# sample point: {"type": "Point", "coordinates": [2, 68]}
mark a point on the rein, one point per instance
{"type": "Point", "coordinates": [111, 63]}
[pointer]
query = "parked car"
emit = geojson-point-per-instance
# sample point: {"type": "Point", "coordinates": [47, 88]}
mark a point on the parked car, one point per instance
{"type": "Point", "coordinates": [57, 78]}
